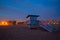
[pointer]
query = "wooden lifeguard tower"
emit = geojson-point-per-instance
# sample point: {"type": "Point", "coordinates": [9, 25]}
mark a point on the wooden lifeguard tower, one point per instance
{"type": "Point", "coordinates": [32, 20]}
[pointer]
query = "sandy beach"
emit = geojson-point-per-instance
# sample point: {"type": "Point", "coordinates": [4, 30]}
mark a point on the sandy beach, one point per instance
{"type": "Point", "coordinates": [24, 33]}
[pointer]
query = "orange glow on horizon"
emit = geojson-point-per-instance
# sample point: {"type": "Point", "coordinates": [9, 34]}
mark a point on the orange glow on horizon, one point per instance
{"type": "Point", "coordinates": [4, 23]}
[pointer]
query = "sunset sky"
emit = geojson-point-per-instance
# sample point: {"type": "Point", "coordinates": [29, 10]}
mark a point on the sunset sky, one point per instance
{"type": "Point", "coordinates": [19, 9]}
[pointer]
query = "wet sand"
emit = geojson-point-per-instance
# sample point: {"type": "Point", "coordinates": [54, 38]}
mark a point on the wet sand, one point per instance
{"type": "Point", "coordinates": [24, 33]}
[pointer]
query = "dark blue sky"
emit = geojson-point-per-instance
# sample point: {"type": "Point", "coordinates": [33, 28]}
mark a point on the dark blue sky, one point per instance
{"type": "Point", "coordinates": [19, 9]}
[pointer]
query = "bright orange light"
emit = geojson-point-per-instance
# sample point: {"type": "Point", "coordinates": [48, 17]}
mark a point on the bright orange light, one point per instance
{"type": "Point", "coordinates": [3, 23]}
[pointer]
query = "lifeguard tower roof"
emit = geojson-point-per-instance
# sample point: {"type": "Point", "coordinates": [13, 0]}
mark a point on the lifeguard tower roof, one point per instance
{"type": "Point", "coordinates": [32, 16]}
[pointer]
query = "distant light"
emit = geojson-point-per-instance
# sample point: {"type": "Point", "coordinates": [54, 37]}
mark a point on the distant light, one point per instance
{"type": "Point", "coordinates": [4, 23]}
{"type": "Point", "coordinates": [45, 23]}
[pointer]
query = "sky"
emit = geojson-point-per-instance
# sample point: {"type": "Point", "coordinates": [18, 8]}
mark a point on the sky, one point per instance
{"type": "Point", "coordinates": [19, 9]}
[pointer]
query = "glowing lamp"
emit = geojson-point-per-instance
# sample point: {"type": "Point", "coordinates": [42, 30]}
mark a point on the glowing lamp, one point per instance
{"type": "Point", "coordinates": [4, 23]}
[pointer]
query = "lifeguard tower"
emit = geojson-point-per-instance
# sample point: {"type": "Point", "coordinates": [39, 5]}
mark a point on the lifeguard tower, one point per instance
{"type": "Point", "coordinates": [32, 20]}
